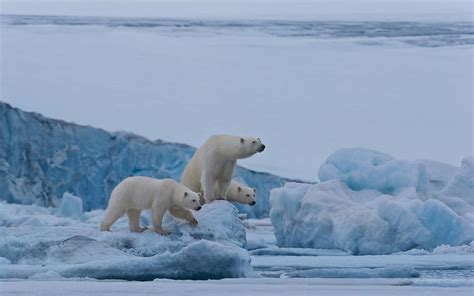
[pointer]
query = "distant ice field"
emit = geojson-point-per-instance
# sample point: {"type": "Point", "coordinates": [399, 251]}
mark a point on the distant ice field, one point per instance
{"type": "Point", "coordinates": [426, 34]}
{"type": "Point", "coordinates": [305, 86]}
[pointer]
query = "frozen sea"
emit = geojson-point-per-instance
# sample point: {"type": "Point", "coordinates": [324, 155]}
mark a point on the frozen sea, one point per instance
{"type": "Point", "coordinates": [310, 76]}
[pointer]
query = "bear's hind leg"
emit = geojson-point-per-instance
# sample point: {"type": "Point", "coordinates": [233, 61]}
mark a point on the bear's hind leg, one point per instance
{"type": "Point", "coordinates": [222, 189]}
{"type": "Point", "coordinates": [134, 221]}
{"type": "Point", "coordinates": [111, 215]}
{"type": "Point", "coordinates": [208, 184]}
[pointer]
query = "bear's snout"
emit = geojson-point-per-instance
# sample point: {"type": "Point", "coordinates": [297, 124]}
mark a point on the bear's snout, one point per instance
{"type": "Point", "coordinates": [261, 148]}
{"type": "Point", "coordinates": [252, 203]}
{"type": "Point", "coordinates": [198, 208]}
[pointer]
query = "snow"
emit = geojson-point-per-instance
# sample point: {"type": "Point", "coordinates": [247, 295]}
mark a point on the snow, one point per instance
{"type": "Point", "coordinates": [69, 248]}
{"type": "Point", "coordinates": [217, 224]}
{"type": "Point", "coordinates": [4, 261]}
{"type": "Point", "coordinates": [371, 203]}
{"type": "Point", "coordinates": [45, 160]}
{"type": "Point", "coordinates": [71, 206]}
{"type": "Point", "coordinates": [66, 254]}
{"type": "Point", "coordinates": [419, 262]}
{"type": "Point", "coordinates": [444, 249]}
{"type": "Point", "coordinates": [265, 287]}
{"type": "Point", "coordinates": [255, 243]}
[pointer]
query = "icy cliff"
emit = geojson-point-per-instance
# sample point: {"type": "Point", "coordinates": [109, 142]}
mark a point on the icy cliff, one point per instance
{"type": "Point", "coordinates": [42, 158]}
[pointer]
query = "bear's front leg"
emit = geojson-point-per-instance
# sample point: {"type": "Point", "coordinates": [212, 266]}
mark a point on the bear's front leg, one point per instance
{"type": "Point", "coordinates": [157, 219]}
{"type": "Point", "coordinates": [182, 213]}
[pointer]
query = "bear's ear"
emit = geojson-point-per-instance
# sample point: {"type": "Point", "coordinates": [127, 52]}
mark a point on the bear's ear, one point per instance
{"type": "Point", "coordinates": [199, 194]}
{"type": "Point", "coordinates": [241, 140]}
{"type": "Point", "coordinates": [185, 194]}
{"type": "Point", "coordinates": [255, 190]}
{"type": "Point", "coordinates": [240, 189]}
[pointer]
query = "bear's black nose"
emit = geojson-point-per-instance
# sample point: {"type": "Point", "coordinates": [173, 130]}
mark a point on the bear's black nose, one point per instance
{"type": "Point", "coordinates": [262, 148]}
{"type": "Point", "coordinates": [198, 208]}
{"type": "Point", "coordinates": [252, 203]}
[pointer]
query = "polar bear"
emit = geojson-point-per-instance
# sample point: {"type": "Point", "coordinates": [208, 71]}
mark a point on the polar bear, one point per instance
{"type": "Point", "coordinates": [241, 194]}
{"type": "Point", "coordinates": [237, 192]}
{"type": "Point", "coordinates": [135, 194]}
{"type": "Point", "coordinates": [211, 168]}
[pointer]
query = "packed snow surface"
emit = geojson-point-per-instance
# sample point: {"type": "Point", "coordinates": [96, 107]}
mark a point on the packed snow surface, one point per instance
{"type": "Point", "coordinates": [371, 203]}
{"type": "Point", "coordinates": [237, 287]}
{"type": "Point", "coordinates": [37, 243]}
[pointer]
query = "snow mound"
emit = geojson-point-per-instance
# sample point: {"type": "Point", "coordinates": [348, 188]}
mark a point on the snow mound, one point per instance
{"type": "Point", "coordinates": [200, 260]}
{"type": "Point", "coordinates": [12, 215]}
{"type": "Point", "coordinates": [370, 203]}
{"type": "Point", "coordinates": [217, 221]}
{"type": "Point", "coordinates": [68, 248]}
{"type": "Point", "coordinates": [71, 206]}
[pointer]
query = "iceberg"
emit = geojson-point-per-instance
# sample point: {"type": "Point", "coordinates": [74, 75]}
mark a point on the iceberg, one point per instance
{"type": "Point", "coordinates": [42, 158]}
{"type": "Point", "coordinates": [362, 168]}
{"type": "Point", "coordinates": [75, 248]}
{"type": "Point", "coordinates": [462, 183]}
{"type": "Point", "coordinates": [371, 203]}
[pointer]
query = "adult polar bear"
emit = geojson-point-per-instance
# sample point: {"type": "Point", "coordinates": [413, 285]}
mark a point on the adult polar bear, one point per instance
{"type": "Point", "coordinates": [211, 168]}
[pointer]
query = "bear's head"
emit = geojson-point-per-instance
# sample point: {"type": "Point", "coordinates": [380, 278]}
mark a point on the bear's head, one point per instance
{"type": "Point", "coordinates": [246, 195]}
{"type": "Point", "coordinates": [250, 145]}
{"type": "Point", "coordinates": [190, 200]}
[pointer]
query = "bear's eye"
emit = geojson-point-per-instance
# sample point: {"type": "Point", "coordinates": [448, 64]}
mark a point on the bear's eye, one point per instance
{"type": "Point", "coordinates": [248, 195]}
{"type": "Point", "coordinates": [254, 142]}
{"type": "Point", "coordinates": [194, 200]}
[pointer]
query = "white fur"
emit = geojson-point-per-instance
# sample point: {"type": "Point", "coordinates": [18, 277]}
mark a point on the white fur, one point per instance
{"type": "Point", "coordinates": [245, 195]}
{"type": "Point", "coordinates": [211, 168]}
{"type": "Point", "coordinates": [135, 194]}
{"type": "Point", "coordinates": [241, 194]}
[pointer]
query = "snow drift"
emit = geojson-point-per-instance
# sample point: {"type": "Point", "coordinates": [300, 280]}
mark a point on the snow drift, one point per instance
{"type": "Point", "coordinates": [42, 158]}
{"type": "Point", "coordinates": [37, 243]}
{"type": "Point", "coordinates": [370, 203]}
